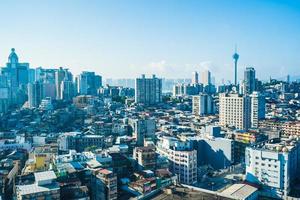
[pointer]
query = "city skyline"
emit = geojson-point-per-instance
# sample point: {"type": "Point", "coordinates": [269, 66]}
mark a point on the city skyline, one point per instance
{"type": "Point", "coordinates": [152, 99]}
{"type": "Point", "coordinates": [169, 38]}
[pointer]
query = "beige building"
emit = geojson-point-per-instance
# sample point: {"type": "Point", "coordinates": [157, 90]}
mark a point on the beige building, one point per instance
{"type": "Point", "coordinates": [145, 157]}
{"type": "Point", "coordinates": [235, 110]}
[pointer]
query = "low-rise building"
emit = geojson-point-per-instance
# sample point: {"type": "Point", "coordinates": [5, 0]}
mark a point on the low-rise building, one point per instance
{"type": "Point", "coordinates": [45, 187]}
{"type": "Point", "coordinates": [240, 192]}
{"type": "Point", "coordinates": [145, 157]}
{"type": "Point", "coordinates": [104, 185]}
{"type": "Point", "coordinates": [79, 142]}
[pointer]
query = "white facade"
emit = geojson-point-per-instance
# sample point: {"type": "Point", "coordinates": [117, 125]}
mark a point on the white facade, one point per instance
{"type": "Point", "coordinates": [46, 104]}
{"type": "Point", "coordinates": [203, 104]}
{"type": "Point", "coordinates": [257, 108]}
{"type": "Point", "coordinates": [34, 94]}
{"type": "Point", "coordinates": [206, 77]}
{"type": "Point", "coordinates": [235, 110]}
{"type": "Point", "coordinates": [67, 90]}
{"type": "Point", "coordinates": [182, 158]}
{"type": "Point", "coordinates": [273, 165]}
{"type": "Point", "coordinates": [142, 128]}
{"type": "Point", "coordinates": [195, 78]}
{"type": "Point", "coordinates": [59, 77]}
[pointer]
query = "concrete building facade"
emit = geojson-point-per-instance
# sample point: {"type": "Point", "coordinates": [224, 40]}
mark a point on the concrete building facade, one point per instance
{"type": "Point", "coordinates": [182, 158]}
{"type": "Point", "coordinates": [235, 110]}
{"type": "Point", "coordinates": [148, 91]}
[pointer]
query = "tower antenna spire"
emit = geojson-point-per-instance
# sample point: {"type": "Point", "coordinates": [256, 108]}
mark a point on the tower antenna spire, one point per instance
{"type": "Point", "coordinates": [235, 58]}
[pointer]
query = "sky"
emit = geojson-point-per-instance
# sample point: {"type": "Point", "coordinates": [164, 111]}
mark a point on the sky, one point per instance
{"type": "Point", "coordinates": [169, 38]}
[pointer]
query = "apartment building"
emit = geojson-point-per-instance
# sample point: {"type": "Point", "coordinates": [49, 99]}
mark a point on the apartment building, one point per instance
{"type": "Point", "coordinates": [182, 158]}
{"type": "Point", "coordinates": [274, 165]}
{"type": "Point", "coordinates": [235, 110]}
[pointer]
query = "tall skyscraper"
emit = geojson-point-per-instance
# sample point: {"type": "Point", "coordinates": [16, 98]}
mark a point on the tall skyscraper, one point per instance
{"type": "Point", "coordinates": [148, 91]}
{"type": "Point", "coordinates": [249, 80]}
{"type": "Point", "coordinates": [19, 71]}
{"type": "Point", "coordinates": [89, 83]}
{"type": "Point", "coordinates": [288, 78]}
{"type": "Point", "coordinates": [203, 104]}
{"type": "Point", "coordinates": [235, 110]}
{"type": "Point", "coordinates": [195, 78]}
{"type": "Point", "coordinates": [258, 109]}
{"type": "Point", "coordinates": [49, 89]}
{"type": "Point", "coordinates": [235, 58]}
{"type": "Point", "coordinates": [4, 94]}
{"type": "Point", "coordinates": [61, 75]}
{"type": "Point", "coordinates": [206, 78]}
{"type": "Point", "coordinates": [67, 90]}
{"type": "Point", "coordinates": [31, 75]}
{"type": "Point", "coordinates": [17, 76]}
{"type": "Point", "coordinates": [34, 94]}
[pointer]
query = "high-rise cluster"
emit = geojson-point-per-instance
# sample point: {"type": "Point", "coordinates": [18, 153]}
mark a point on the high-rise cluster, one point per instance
{"type": "Point", "coordinates": [19, 82]}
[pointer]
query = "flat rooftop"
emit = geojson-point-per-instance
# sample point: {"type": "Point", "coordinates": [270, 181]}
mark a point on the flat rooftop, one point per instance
{"type": "Point", "coordinates": [34, 188]}
{"type": "Point", "coordinates": [44, 176]}
{"type": "Point", "coordinates": [282, 144]}
{"type": "Point", "coordinates": [239, 191]}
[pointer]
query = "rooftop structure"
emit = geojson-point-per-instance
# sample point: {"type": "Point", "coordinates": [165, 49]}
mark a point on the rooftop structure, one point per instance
{"type": "Point", "coordinates": [235, 58]}
{"type": "Point", "coordinates": [44, 186]}
{"type": "Point", "coordinates": [274, 165]}
{"type": "Point", "coordinates": [241, 192]}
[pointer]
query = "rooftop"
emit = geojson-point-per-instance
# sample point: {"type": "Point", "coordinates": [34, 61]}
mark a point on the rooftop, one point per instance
{"type": "Point", "coordinates": [34, 188]}
{"type": "Point", "coordinates": [105, 171]}
{"type": "Point", "coordinates": [283, 144]}
{"type": "Point", "coordinates": [44, 176]}
{"type": "Point", "coordinates": [239, 191]}
{"type": "Point", "coordinates": [93, 164]}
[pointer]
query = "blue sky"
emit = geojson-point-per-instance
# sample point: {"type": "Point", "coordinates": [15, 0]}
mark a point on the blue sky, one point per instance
{"type": "Point", "coordinates": [172, 38]}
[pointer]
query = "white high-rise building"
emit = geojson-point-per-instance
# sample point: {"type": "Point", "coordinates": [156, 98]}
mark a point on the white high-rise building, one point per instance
{"type": "Point", "coordinates": [67, 90]}
{"type": "Point", "coordinates": [274, 165]}
{"type": "Point", "coordinates": [195, 78]}
{"type": "Point", "coordinates": [35, 94]}
{"type": "Point", "coordinates": [203, 104]}
{"type": "Point", "coordinates": [61, 75]}
{"type": "Point", "coordinates": [235, 110]}
{"type": "Point", "coordinates": [258, 109]}
{"type": "Point", "coordinates": [206, 78]}
{"type": "Point", "coordinates": [182, 158]}
{"type": "Point", "coordinates": [148, 91]}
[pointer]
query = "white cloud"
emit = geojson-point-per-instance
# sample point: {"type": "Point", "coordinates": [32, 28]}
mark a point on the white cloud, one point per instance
{"type": "Point", "coordinates": [163, 68]}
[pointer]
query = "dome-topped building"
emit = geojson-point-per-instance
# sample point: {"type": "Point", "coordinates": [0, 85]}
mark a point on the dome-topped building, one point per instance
{"type": "Point", "coordinates": [13, 57]}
